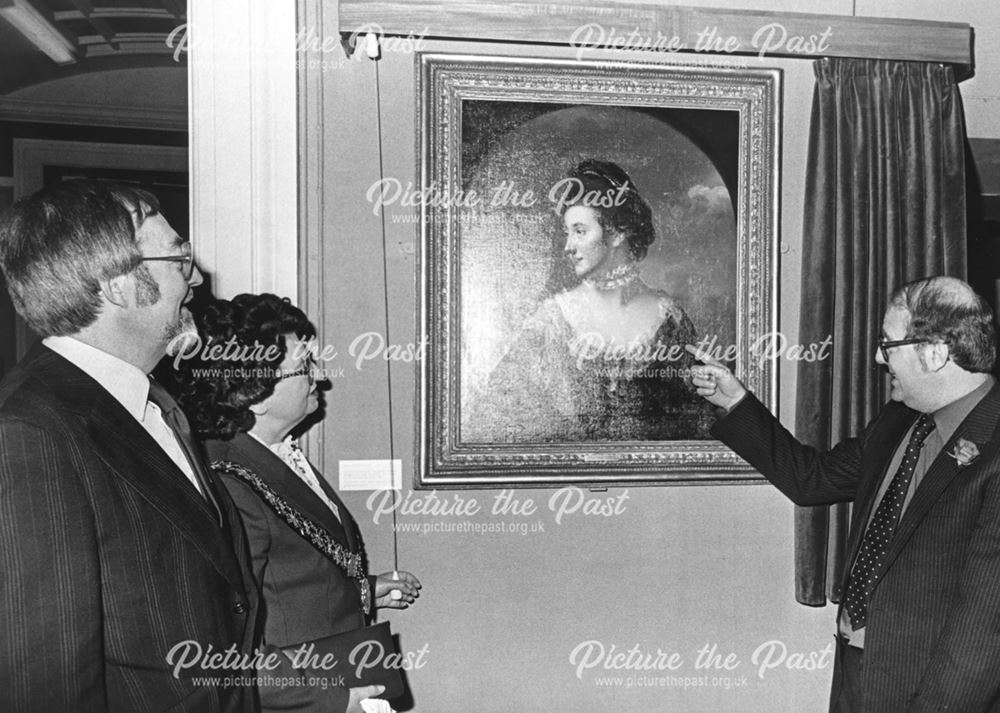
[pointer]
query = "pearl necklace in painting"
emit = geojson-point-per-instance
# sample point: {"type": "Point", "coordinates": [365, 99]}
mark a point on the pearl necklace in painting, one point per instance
{"type": "Point", "coordinates": [621, 276]}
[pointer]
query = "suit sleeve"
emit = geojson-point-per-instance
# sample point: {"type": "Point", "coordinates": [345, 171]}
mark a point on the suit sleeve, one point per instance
{"type": "Point", "coordinates": [963, 674]}
{"type": "Point", "coordinates": [804, 474]}
{"type": "Point", "coordinates": [284, 688]}
{"type": "Point", "coordinates": [51, 650]}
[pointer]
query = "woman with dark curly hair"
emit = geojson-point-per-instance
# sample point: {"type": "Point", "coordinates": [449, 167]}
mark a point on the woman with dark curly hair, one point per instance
{"type": "Point", "coordinates": [605, 359]}
{"type": "Point", "coordinates": [251, 386]}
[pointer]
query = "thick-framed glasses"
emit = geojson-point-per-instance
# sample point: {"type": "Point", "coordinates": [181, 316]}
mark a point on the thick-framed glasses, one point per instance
{"type": "Point", "coordinates": [304, 371]}
{"type": "Point", "coordinates": [186, 258]}
{"type": "Point", "coordinates": [885, 345]}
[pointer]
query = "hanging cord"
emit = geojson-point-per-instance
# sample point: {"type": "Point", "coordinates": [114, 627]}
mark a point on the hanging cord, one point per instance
{"type": "Point", "coordinates": [372, 50]}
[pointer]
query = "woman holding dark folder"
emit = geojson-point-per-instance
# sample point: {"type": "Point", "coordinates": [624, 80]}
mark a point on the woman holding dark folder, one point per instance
{"type": "Point", "coordinates": [308, 557]}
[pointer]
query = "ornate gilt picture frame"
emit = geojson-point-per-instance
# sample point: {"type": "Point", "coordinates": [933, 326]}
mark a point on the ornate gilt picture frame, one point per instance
{"type": "Point", "coordinates": [520, 385]}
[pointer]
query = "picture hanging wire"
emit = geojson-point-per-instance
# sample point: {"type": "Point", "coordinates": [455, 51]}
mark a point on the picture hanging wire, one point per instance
{"type": "Point", "coordinates": [372, 51]}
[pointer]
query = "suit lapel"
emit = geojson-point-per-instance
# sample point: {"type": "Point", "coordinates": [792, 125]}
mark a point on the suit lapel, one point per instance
{"type": "Point", "coordinates": [248, 451]}
{"type": "Point", "coordinates": [978, 427]}
{"type": "Point", "coordinates": [347, 522]}
{"type": "Point", "coordinates": [887, 442]}
{"type": "Point", "coordinates": [133, 456]}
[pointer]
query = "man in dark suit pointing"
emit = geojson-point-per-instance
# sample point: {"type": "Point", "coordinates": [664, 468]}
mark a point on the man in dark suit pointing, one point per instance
{"type": "Point", "coordinates": [919, 627]}
{"type": "Point", "coordinates": [120, 559]}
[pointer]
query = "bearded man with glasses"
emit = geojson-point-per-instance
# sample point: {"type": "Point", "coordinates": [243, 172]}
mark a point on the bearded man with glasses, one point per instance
{"type": "Point", "coordinates": [122, 556]}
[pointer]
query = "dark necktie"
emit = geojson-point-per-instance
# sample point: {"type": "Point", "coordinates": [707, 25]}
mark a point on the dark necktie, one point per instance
{"type": "Point", "coordinates": [871, 555]}
{"type": "Point", "coordinates": [177, 422]}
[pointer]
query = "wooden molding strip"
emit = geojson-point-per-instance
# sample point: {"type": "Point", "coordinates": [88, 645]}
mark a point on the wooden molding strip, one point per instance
{"type": "Point", "coordinates": [610, 24]}
{"type": "Point", "coordinates": [129, 117]}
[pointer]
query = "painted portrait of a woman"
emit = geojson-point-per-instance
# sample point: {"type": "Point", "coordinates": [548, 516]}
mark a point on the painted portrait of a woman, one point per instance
{"type": "Point", "coordinates": [604, 359]}
{"type": "Point", "coordinates": [582, 283]}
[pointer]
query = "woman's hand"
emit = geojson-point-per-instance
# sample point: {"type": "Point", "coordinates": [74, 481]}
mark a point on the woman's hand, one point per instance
{"type": "Point", "coordinates": [396, 590]}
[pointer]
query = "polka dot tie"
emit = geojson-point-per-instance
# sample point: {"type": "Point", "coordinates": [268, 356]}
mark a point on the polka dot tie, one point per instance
{"type": "Point", "coordinates": [882, 526]}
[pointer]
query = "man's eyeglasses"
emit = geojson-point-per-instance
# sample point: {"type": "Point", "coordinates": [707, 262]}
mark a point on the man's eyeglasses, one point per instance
{"type": "Point", "coordinates": [885, 345]}
{"type": "Point", "coordinates": [186, 258]}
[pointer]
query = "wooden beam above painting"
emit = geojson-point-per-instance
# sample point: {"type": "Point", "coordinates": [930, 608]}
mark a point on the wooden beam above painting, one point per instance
{"type": "Point", "coordinates": [609, 24]}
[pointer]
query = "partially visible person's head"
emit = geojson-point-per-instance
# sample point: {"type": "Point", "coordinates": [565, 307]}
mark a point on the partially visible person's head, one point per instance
{"type": "Point", "coordinates": [943, 321]}
{"type": "Point", "coordinates": [58, 245]}
{"type": "Point", "coordinates": [947, 310]}
{"type": "Point", "coordinates": [260, 367]}
{"type": "Point", "coordinates": [608, 190]}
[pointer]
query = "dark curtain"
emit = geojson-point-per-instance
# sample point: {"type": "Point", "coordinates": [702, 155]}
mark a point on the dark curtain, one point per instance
{"type": "Point", "coordinates": [885, 204]}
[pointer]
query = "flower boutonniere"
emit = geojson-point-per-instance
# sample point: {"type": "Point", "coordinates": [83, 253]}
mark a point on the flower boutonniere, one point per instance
{"type": "Point", "coordinates": [965, 452]}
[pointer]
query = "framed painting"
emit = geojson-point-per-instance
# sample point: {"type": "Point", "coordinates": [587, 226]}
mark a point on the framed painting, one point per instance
{"type": "Point", "coordinates": [581, 223]}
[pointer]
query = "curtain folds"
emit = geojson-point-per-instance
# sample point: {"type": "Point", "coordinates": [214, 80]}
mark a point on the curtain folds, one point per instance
{"type": "Point", "coordinates": [885, 204]}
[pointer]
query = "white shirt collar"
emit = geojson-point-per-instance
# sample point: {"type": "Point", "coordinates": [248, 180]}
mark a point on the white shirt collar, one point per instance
{"type": "Point", "coordinates": [124, 381]}
{"type": "Point", "coordinates": [282, 448]}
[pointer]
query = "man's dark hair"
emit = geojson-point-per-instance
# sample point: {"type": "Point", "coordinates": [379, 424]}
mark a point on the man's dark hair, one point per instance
{"type": "Point", "coordinates": [59, 244]}
{"type": "Point", "coordinates": [947, 310]}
